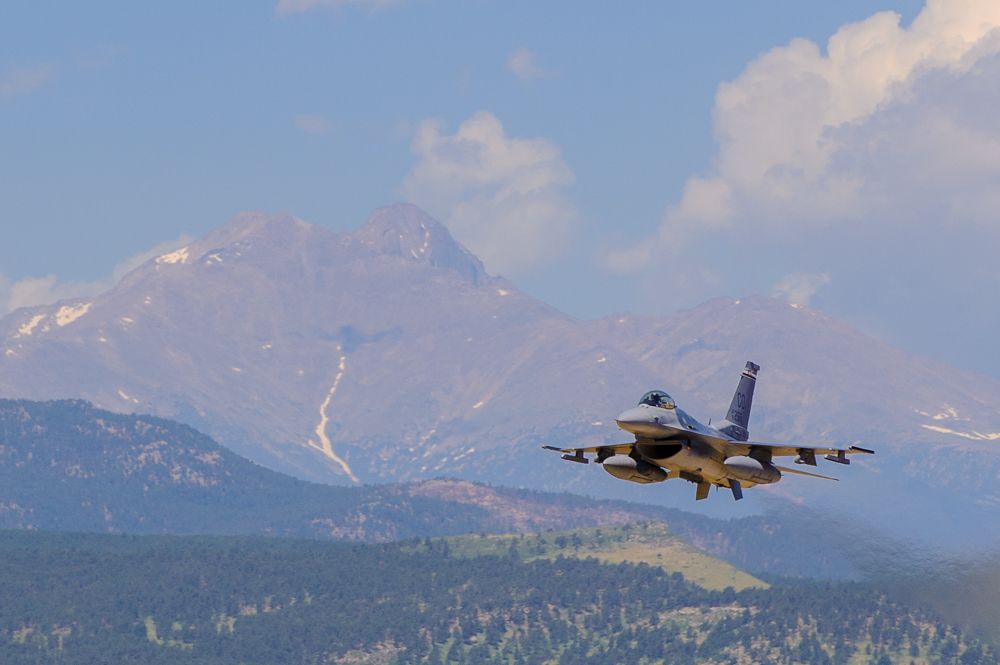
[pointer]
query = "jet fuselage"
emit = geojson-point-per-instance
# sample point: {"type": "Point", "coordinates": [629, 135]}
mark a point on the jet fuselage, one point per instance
{"type": "Point", "coordinates": [669, 443]}
{"type": "Point", "coordinates": [670, 438]}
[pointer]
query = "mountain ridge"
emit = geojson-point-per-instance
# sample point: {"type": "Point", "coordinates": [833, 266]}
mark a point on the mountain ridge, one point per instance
{"type": "Point", "coordinates": [68, 466]}
{"type": "Point", "coordinates": [376, 357]}
{"type": "Point", "coordinates": [65, 465]}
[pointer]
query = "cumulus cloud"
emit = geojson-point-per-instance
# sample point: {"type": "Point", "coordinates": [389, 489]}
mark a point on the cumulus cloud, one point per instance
{"type": "Point", "coordinates": [803, 132]}
{"type": "Point", "coordinates": [871, 161]}
{"type": "Point", "coordinates": [16, 81]}
{"type": "Point", "coordinates": [501, 196]}
{"type": "Point", "coordinates": [311, 123]}
{"type": "Point", "coordinates": [798, 288]}
{"type": "Point", "coordinates": [33, 291]}
{"type": "Point", "coordinates": [300, 6]}
{"type": "Point", "coordinates": [523, 65]}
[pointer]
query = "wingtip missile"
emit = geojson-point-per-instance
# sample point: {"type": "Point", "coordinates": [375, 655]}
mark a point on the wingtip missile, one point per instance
{"type": "Point", "coordinates": [798, 472]}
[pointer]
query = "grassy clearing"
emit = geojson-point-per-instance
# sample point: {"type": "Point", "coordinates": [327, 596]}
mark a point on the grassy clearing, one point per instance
{"type": "Point", "coordinates": [644, 542]}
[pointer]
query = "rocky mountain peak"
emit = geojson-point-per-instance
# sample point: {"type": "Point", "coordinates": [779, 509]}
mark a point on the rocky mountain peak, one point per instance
{"type": "Point", "coordinates": [406, 231]}
{"type": "Point", "coordinates": [249, 238]}
{"type": "Point", "coordinates": [256, 226]}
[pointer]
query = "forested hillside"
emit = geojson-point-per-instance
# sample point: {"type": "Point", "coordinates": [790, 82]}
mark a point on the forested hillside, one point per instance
{"type": "Point", "coordinates": [74, 599]}
{"type": "Point", "coordinates": [65, 465]}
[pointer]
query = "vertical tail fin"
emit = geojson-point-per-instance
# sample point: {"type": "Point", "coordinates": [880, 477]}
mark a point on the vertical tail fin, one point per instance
{"type": "Point", "coordinates": [738, 416]}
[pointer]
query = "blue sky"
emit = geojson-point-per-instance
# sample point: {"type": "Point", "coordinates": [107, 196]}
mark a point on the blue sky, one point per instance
{"type": "Point", "coordinates": [640, 156]}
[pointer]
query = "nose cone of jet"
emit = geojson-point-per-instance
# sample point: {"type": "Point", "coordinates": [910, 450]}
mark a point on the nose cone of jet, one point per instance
{"type": "Point", "coordinates": [640, 421]}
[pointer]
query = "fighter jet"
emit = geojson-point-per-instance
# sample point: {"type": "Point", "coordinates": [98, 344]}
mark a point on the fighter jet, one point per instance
{"type": "Point", "coordinates": [671, 444]}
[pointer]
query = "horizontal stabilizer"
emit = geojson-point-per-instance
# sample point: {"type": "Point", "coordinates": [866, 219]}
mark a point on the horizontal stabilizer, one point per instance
{"type": "Point", "coordinates": [797, 472]}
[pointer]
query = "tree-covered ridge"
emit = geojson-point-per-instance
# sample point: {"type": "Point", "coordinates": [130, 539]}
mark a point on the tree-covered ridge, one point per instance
{"type": "Point", "coordinates": [87, 598]}
{"type": "Point", "coordinates": [65, 465]}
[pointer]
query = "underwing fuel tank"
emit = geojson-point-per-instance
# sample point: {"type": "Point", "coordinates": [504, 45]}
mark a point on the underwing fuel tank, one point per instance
{"type": "Point", "coordinates": [749, 470]}
{"type": "Point", "coordinates": [638, 471]}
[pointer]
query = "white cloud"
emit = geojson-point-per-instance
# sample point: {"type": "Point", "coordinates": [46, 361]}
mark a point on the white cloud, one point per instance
{"type": "Point", "coordinates": [801, 129]}
{"type": "Point", "coordinates": [522, 64]}
{"type": "Point", "coordinates": [501, 196]}
{"type": "Point", "coordinates": [300, 6]}
{"type": "Point", "coordinates": [22, 80]}
{"type": "Point", "coordinates": [798, 288]}
{"type": "Point", "coordinates": [32, 291]}
{"type": "Point", "coordinates": [311, 123]}
{"type": "Point", "coordinates": [872, 161]}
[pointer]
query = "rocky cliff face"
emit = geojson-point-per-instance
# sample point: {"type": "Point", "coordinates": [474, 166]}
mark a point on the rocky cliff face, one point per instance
{"type": "Point", "coordinates": [389, 354]}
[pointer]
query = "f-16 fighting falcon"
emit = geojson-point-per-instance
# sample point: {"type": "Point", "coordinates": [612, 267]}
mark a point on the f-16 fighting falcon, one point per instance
{"type": "Point", "coordinates": [671, 444]}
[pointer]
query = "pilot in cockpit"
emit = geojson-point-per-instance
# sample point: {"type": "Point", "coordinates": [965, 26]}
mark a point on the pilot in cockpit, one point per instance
{"type": "Point", "coordinates": [659, 399]}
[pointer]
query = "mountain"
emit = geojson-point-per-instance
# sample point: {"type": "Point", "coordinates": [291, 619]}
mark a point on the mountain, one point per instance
{"type": "Point", "coordinates": [67, 466]}
{"type": "Point", "coordinates": [389, 354]}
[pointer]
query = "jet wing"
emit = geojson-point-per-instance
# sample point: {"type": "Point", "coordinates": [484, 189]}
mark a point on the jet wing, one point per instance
{"type": "Point", "coordinates": [602, 451]}
{"type": "Point", "coordinates": [805, 451]}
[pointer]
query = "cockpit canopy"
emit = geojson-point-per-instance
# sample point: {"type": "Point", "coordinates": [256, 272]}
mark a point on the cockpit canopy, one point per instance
{"type": "Point", "coordinates": [658, 398]}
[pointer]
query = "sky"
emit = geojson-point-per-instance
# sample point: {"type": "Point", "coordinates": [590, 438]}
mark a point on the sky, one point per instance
{"type": "Point", "coordinates": [636, 156]}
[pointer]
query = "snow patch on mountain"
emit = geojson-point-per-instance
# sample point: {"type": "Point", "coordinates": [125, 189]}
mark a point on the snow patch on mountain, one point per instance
{"type": "Point", "coordinates": [972, 436]}
{"type": "Point", "coordinates": [67, 314]}
{"type": "Point", "coordinates": [177, 256]}
{"type": "Point", "coordinates": [29, 327]}
{"type": "Point", "coordinates": [946, 413]}
{"type": "Point", "coordinates": [325, 446]}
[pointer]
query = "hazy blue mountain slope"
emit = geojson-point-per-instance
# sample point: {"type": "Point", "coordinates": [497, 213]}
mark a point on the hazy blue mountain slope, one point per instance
{"type": "Point", "coordinates": [68, 466]}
